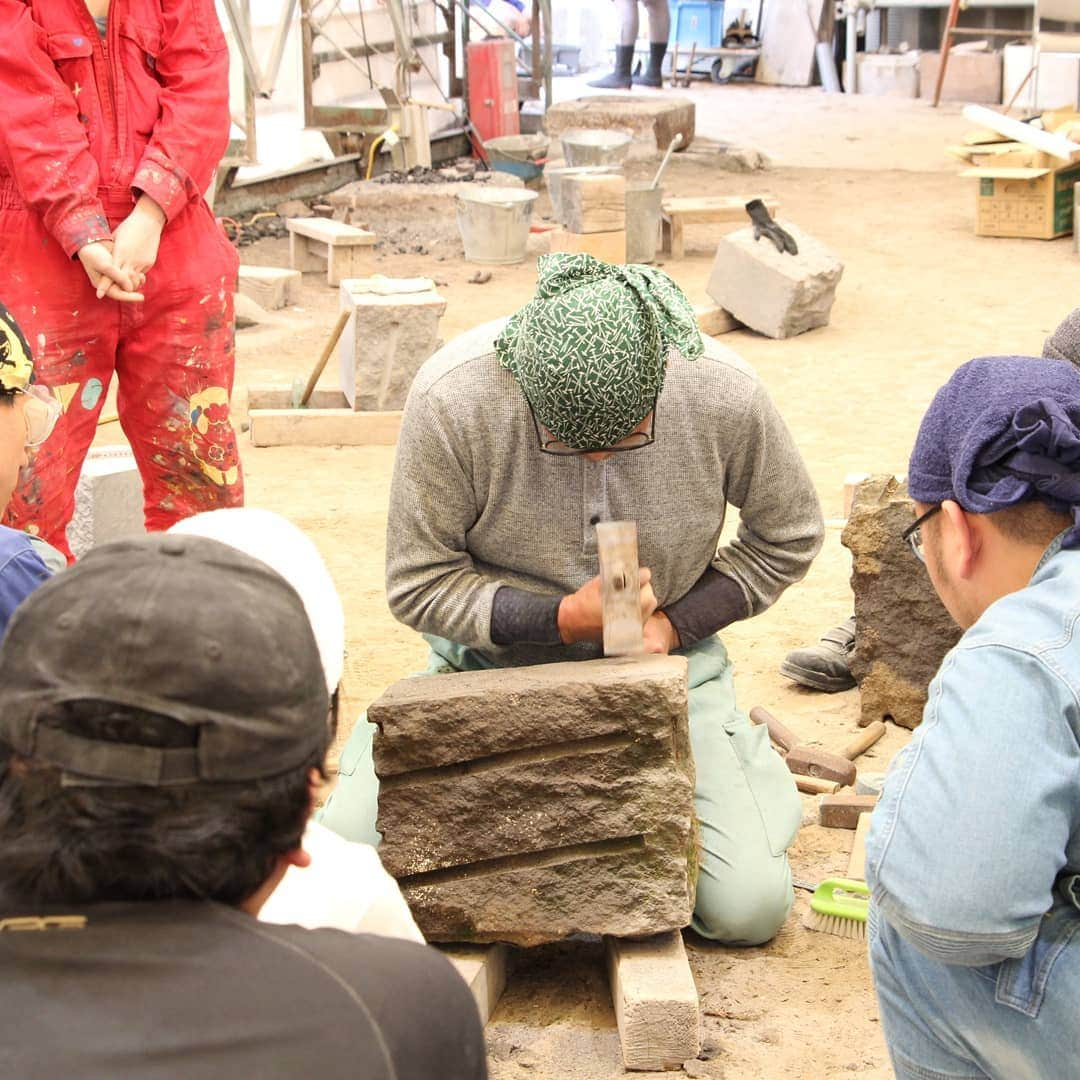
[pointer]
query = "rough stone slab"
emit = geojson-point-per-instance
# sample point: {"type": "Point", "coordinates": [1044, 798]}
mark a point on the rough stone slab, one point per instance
{"type": "Point", "coordinates": [557, 176]}
{"type": "Point", "coordinates": [902, 630]}
{"type": "Point", "coordinates": [483, 967]}
{"type": "Point", "coordinates": [384, 344]}
{"type": "Point", "coordinates": [323, 427]}
{"type": "Point", "coordinates": [609, 247]}
{"type": "Point", "coordinates": [594, 204]}
{"type": "Point", "coordinates": [656, 1002]}
{"type": "Point", "coordinates": [654, 118]}
{"type": "Point", "coordinates": [271, 287]}
{"type": "Point", "coordinates": [528, 804]}
{"type": "Point", "coordinates": [108, 500]}
{"type": "Point", "coordinates": [373, 201]}
{"type": "Point", "coordinates": [776, 294]}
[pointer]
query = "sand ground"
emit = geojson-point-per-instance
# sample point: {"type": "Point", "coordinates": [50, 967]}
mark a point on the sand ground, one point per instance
{"type": "Point", "coordinates": [920, 295]}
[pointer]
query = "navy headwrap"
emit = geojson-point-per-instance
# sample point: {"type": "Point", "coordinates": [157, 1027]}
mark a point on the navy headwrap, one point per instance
{"type": "Point", "coordinates": [1003, 430]}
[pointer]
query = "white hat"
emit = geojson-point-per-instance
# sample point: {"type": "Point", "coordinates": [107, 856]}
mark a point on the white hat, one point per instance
{"type": "Point", "coordinates": [276, 541]}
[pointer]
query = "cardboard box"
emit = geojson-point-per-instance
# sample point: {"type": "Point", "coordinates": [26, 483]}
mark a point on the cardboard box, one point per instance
{"type": "Point", "coordinates": [972, 77]}
{"type": "Point", "coordinates": [1027, 202]}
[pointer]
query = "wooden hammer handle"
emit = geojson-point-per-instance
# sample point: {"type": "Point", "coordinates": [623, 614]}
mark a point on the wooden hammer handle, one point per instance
{"type": "Point", "coordinates": [870, 735]}
{"type": "Point", "coordinates": [779, 734]}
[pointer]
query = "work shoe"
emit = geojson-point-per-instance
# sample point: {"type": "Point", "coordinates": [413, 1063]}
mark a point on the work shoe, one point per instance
{"type": "Point", "coordinates": [620, 78]}
{"type": "Point", "coordinates": [653, 75]}
{"type": "Point", "coordinates": [825, 666]}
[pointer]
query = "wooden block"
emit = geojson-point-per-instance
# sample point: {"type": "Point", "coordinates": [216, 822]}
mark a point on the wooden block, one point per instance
{"type": "Point", "coordinates": [814, 785]}
{"type": "Point", "coordinates": [715, 320]}
{"type": "Point", "coordinates": [483, 967]}
{"type": "Point", "coordinates": [330, 232]}
{"type": "Point", "coordinates": [271, 287]}
{"type": "Point", "coordinates": [609, 247]}
{"type": "Point", "coordinates": [323, 427]}
{"type": "Point", "coordinates": [656, 1001]}
{"type": "Point", "coordinates": [305, 256]}
{"type": "Point", "coordinates": [594, 203]}
{"type": "Point", "coordinates": [856, 869]}
{"type": "Point", "coordinates": [843, 811]}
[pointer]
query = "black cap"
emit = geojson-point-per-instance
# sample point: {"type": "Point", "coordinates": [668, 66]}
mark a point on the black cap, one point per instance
{"type": "Point", "coordinates": [179, 626]}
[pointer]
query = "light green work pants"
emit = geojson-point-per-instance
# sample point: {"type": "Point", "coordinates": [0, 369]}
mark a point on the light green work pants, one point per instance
{"type": "Point", "coordinates": [746, 801]}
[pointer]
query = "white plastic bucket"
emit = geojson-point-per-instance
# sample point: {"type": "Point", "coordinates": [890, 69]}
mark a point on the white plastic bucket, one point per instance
{"type": "Point", "coordinates": [494, 223]}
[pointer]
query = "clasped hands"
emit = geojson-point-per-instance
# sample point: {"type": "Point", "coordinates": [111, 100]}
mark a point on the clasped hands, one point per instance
{"type": "Point", "coordinates": [581, 616]}
{"type": "Point", "coordinates": [117, 268]}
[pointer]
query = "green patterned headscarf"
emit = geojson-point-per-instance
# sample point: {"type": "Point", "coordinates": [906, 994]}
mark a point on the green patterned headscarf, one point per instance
{"type": "Point", "coordinates": [590, 351]}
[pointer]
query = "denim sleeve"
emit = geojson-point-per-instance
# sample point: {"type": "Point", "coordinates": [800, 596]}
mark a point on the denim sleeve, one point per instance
{"type": "Point", "coordinates": [19, 577]}
{"type": "Point", "coordinates": [977, 811]}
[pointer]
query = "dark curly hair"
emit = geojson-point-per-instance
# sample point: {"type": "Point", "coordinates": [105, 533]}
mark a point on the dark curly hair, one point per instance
{"type": "Point", "coordinates": [65, 844]}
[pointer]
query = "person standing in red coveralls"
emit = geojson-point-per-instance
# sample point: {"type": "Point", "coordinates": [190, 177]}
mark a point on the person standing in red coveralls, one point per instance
{"type": "Point", "coordinates": [115, 118]}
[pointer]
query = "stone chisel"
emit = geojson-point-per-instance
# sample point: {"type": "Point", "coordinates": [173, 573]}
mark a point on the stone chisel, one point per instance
{"type": "Point", "coordinates": [616, 542]}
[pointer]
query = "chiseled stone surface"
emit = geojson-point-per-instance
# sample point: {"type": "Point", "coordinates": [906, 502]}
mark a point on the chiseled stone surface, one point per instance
{"type": "Point", "coordinates": [653, 118]}
{"type": "Point", "coordinates": [902, 630]}
{"type": "Point", "coordinates": [528, 804]}
{"type": "Point", "coordinates": [776, 294]}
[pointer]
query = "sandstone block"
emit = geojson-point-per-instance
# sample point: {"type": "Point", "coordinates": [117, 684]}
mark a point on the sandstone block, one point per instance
{"type": "Point", "coordinates": [108, 500]}
{"type": "Point", "coordinates": [384, 344]}
{"type": "Point", "coordinates": [654, 119]}
{"type": "Point", "coordinates": [778, 295]}
{"type": "Point", "coordinates": [902, 630]}
{"type": "Point", "coordinates": [594, 204]}
{"type": "Point", "coordinates": [556, 180]}
{"type": "Point", "coordinates": [525, 805]}
{"type": "Point", "coordinates": [271, 287]}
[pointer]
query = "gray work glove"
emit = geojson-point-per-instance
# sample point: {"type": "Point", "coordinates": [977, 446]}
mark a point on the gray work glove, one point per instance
{"type": "Point", "coordinates": [765, 226]}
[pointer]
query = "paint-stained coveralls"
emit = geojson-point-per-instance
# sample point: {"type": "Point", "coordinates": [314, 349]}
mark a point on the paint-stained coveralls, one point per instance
{"type": "Point", "coordinates": [91, 121]}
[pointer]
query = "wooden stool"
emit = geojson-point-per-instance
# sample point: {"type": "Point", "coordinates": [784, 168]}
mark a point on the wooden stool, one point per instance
{"type": "Point", "coordinates": [705, 209]}
{"type": "Point", "coordinates": [343, 249]}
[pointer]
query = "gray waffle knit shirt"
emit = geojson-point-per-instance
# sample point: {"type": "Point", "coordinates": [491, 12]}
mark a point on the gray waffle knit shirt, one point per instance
{"type": "Point", "coordinates": [475, 506]}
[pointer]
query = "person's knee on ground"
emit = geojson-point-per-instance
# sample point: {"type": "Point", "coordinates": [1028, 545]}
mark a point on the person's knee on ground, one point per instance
{"type": "Point", "coordinates": [748, 912]}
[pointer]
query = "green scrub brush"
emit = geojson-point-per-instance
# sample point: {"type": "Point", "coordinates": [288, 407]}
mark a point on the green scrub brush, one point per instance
{"type": "Point", "coordinates": [839, 907]}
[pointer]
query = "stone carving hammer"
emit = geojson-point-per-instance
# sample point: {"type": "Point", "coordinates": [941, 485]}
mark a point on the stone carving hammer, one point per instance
{"type": "Point", "coordinates": [805, 760]}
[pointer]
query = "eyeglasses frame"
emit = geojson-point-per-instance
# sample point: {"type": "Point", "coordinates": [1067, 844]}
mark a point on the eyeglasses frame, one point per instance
{"type": "Point", "coordinates": [913, 535]}
{"type": "Point", "coordinates": [545, 445]}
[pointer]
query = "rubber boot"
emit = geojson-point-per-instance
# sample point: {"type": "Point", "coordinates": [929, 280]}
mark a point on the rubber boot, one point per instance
{"type": "Point", "coordinates": [620, 78]}
{"type": "Point", "coordinates": [654, 72]}
{"type": "Point", "coordinates": [825, 666]}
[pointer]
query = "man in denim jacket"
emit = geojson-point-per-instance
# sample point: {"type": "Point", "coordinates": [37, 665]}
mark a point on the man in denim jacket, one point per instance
{"type": "Point", "coordinates": [974, 852]}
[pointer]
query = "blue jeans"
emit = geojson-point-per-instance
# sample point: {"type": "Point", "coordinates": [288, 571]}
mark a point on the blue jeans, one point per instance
{"type": "Point", "coordinates": [746, 801]}
{"type": "Point", "coordinates": [1014, 1020]}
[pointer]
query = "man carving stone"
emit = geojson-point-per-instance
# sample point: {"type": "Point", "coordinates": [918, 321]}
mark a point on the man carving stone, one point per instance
{"type": "Point", "coordinates": [598, 401]}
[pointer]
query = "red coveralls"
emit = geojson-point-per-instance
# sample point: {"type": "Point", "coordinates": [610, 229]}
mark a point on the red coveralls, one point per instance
{"type": "Point", "coordinates": [88, 124]}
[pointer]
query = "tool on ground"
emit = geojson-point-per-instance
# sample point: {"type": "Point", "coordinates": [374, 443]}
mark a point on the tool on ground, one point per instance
{"type": "Point", "coordinates": [805, 760]}
{"type": "Point", "coordinates": [616, 542]}
{"type": "Point", "coordinates": [676, 141]}
{"type": "Point", "coordinates": [301, 397]}
{"type": "Point", "coordinates": [844, 811]}
{"type": "Point", "coordinates": [765, 226]}
{"type": "Point", "coordinates": [839, 907]}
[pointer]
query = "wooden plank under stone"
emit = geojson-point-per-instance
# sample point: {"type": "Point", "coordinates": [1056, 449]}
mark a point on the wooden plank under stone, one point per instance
{"type": "Point", "coordinates": [528, 804]}
{"type": "Point", "coordinates": [656, 1002]}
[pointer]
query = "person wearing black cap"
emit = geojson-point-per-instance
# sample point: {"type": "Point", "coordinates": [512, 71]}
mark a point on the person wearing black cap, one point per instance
{"type": "Point", "coordinates": [973, 856]}
{"type": "Point", "coordinates": [163, 726]}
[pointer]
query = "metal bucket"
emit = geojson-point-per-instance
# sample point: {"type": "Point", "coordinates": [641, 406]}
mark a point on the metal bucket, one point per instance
{"type": "Point", "coordinates": [596, 146]}
{"type": "Point", "coordinates": [643, 203]}
{"type": "Point", "coordinates": [520, 155]}
{"type": "Point", "coordinates": [494, 223]}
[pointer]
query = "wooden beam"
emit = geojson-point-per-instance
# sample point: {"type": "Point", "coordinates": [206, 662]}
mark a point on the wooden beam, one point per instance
{"type": "Point", "coordinates": [656, 1001]}
{"type": "Point", "coordinates": [483, 967]}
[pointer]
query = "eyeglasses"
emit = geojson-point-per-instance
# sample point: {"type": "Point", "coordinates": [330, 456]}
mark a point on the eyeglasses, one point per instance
{"type": "Point", "coordinates": [40, 414]}
{"type": "Point", "coordinates": [913, 533]}
{"type": "Point", "coordinates": [634, 441]}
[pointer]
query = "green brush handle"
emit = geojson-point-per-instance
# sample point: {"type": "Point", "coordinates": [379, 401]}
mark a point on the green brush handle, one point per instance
{"type": "Point", "coordinates": [825, 900]}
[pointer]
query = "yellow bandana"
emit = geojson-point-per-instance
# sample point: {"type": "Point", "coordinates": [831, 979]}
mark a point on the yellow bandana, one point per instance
{"type": "Point", "coordinates": [16, 360]}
